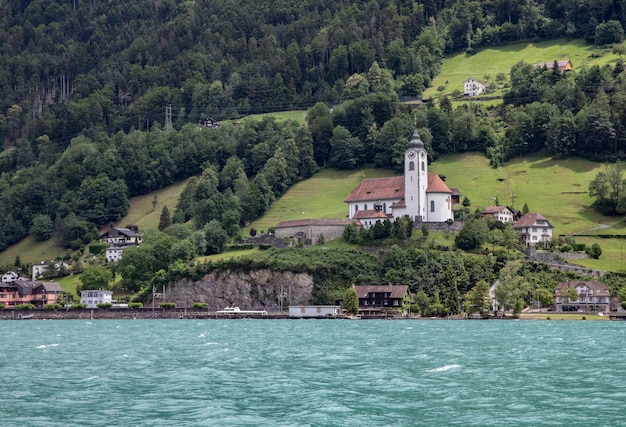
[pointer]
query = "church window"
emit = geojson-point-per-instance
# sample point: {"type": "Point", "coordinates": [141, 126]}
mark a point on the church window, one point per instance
{"type": "Point", "coordinates": [365, 207]}
{"type": "Point", "coordinates": [411, 166]}
{"type": "Point", "coordinates": [356, 208]}
{"type": "Point", "coordinates": [385, 207]}
{"type": "Point", "coordinates": [423, 167]}
{"type": "Point", "coordinates": [432, 206]}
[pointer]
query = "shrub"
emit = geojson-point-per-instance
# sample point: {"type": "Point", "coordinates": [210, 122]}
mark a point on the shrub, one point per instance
{"type": "Point", "coordinates": [97, 248]}
{"type": "Point", "coordinates": [264, 246]}
{"type": "Point", "coordinates": [167, 305]}
{"type": "Point", "coordinates": [25, 306]}
{"type": "Point", "coordinates": [79, 306]}
{"type": "Point", "coordinates": [135, 305]}
{"type": "Point", "coordinates": [53, 306]}
{"type": "Point", "coordinates": [199, 305]}
{"type": "Point", "coordinates": [104, 305]}
{"type": "Point", "coordinates": [1, 306]}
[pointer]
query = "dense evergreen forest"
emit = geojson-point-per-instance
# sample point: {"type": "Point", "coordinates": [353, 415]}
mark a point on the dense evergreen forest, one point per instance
{"type": "Point", "coordinates": [84, 86]}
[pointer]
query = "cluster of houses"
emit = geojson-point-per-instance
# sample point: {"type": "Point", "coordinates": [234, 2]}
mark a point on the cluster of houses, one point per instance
{"type": "Point", "coordinates": [533, 228]}
{"type": "Point", "coordinates": [382, 301]}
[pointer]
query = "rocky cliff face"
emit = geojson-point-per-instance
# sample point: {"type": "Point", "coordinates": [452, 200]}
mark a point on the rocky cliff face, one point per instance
{"type": "Point", "coordinates": [258, 290]}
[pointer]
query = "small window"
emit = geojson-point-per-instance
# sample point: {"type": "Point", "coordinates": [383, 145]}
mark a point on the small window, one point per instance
{"type": "Point", "coordinates": [432, 206]}
{"type": "Point", "coordinates": [365, 207]}
{"type": "Point", "coordinates": [356, 208]}
{"type": "Point", "coordinates": [385, 207]}
{"type": "Point", "coordinates": [411, 166]}
{"type": "Point", "coordinates": [423, 167]}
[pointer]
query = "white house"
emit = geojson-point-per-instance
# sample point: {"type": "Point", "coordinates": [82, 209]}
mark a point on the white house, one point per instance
{"type": "Point", "coordinates": [119, 239]}
{"type": "Point", "coordinates": [92, 297]}
{"type": "Point", "coordinates": [592, 296]}
{"type": "Point", "coordinates": [499, 213]}
{"type": "Point", "coordinates": [473, 87]}
{"type": "Point", "coordinates": [39, 269]}
{"type": "Point", "coordinates": [314, 310]}
{"type": "Point", "coordinates": [422, 196]}
{"type": "Point", "coordinates": [10, 276]}
{"type": "Point", "coordinates": [534, 228]}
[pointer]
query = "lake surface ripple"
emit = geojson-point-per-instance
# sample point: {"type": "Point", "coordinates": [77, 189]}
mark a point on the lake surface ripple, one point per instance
{"type": "Point", "coordinates": [312, 373]}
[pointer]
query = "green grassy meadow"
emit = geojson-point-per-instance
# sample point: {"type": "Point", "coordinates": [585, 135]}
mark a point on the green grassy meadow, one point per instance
{"type": "Point", "coordinates": [491, 61]}
{"type": "Point", "coordinates": [321, 196]}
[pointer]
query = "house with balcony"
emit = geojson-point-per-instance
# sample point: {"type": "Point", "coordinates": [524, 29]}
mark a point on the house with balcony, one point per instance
{"type": "Point", "coordinates": [534, 229]}
{"type": "Point", "coordinates": [473, 87]}
{"type": "Point", "coordinates": [374, 299]}
{"type": "Point", "coordinates": [93, 297]}
{"type": "Point", "coordinates": [119, 239]}
{"type": "Point", "coordinates": [500, 213]}
{"type": "Point", "coordinates": [29, 292]}
{"type": "Point", "coordinates": [591, 296]}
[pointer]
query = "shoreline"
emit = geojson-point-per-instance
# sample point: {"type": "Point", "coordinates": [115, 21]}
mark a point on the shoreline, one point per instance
{"type": "Point", "coordinates": [190, 314]}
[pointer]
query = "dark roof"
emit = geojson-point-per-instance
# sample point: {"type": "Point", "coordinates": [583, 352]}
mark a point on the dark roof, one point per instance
{"type": "Point", "coordinates": [395, 291]}
{"type": "Point", "coordinates": [530, 220]}
{"type": "Point", "coordinates": [562, 63]}
{"type": "Point", "coordinates": [124, 231]}
{"type": "Point", "coordinates": [49, 286]}
{"type": "Point", "coordinates": [416, 141]}
{"type": "Point", "coordinates": [599, 289]}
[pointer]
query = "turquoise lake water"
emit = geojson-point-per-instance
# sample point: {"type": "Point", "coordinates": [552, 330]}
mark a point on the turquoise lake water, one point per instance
{"type": "Point", "coordinates": [312, 373]}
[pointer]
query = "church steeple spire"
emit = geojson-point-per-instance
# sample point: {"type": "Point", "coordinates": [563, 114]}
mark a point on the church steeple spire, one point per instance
{"type": "Point", "coordinates": [416, 141]}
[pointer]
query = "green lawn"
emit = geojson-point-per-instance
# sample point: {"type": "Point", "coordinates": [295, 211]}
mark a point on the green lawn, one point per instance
{"type": "Point", "coordinates": [491, 61]}
{"type": "Point", "coordinates": [321, 196]}
{"type": "Point", "coordinates": [296, 115]}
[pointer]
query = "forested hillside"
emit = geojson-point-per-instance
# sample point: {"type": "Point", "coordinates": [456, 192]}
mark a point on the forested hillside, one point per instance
{"type": "Point", "coordinates": [84, 86]}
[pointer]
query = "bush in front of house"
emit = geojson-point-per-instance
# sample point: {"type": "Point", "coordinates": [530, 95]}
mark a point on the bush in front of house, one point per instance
{"type": "Point", "coordinates": [135, 305]}
{"type": "Point", "coordinates": [54, 306]}
{"type": "Point", "coordinates": [25, 306]}
{"type": "Point", "coordinates": [1, 306]}
{"type": "Point", "coordinates": [199, 305]}
{"type": "Point", "coordinates": [167, 305]}
{"type": "Point", "coordinates": [104, 305]}
{"type": "Point", "coordinates": [79, 306]}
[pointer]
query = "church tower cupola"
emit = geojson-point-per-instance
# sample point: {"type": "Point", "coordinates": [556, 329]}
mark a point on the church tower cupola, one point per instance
{"type": "Point", "coordinates": [416, 141]}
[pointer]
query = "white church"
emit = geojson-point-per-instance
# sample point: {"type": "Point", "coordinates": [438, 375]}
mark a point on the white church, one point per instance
{"type": "Point", "coordinates": [422, 196]}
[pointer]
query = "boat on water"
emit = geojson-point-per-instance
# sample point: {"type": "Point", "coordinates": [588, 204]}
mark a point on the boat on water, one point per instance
{"type": "Point", "coordinates": [237, 310]}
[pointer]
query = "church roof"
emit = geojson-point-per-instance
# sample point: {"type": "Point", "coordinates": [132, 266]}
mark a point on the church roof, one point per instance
{"type": "Point", "coordinates": [436, 184]}
{"type": "Point", "coordinates": [374, 189]}
{"type": "Point", "coordinates": [416, 141]}
{"type": "Point", "coordinates": [378, 189]}
{"type": "Point", "coordinates": [369, 214]}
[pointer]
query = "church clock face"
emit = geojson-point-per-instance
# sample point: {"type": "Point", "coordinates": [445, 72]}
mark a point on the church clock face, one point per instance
{"type": "Point", "coordinates": [411, 154]}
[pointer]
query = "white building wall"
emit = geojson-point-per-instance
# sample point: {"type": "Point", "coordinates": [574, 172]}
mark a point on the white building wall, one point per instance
{"type": "Point", "coordinates": [92, 297]}
{"type": "Point", "coordinates": [314, 310]}
{"type": "Point", "coordinates": [439, 207]}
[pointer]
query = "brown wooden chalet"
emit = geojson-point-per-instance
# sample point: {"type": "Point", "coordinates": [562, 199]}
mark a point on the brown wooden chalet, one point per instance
{"type": "Point", "coordinates": [377, 298]}
{"type": "Point", "coordinates": [209, 122]}
{"type": "Point", "coordinates": [563, 65]}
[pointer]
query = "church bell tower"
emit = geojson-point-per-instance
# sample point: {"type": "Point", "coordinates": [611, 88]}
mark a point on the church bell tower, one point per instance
{"type": "Point", "coordinates": [415, 178]}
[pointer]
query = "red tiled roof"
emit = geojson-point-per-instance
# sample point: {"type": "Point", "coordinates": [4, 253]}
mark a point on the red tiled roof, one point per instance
{"type": "Point", "coordinates": [495, 209]}
{"type": "Point", "coordinates": [530, 219]}
{"type": "Point", "coordinates": [391, 188]}
{"type": "Point", "coordinates": [599, 289]}
{"type": "Point", "coordinates": [436, 184]}
{"type": "Point", "coordinates": [395, 291]}
{"type": "Point", "coordinates": [370, 214]}
{"type": "Point", "coordinates": [378, 189]}
{"type": "Point", "coordinates": [562, 63]}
